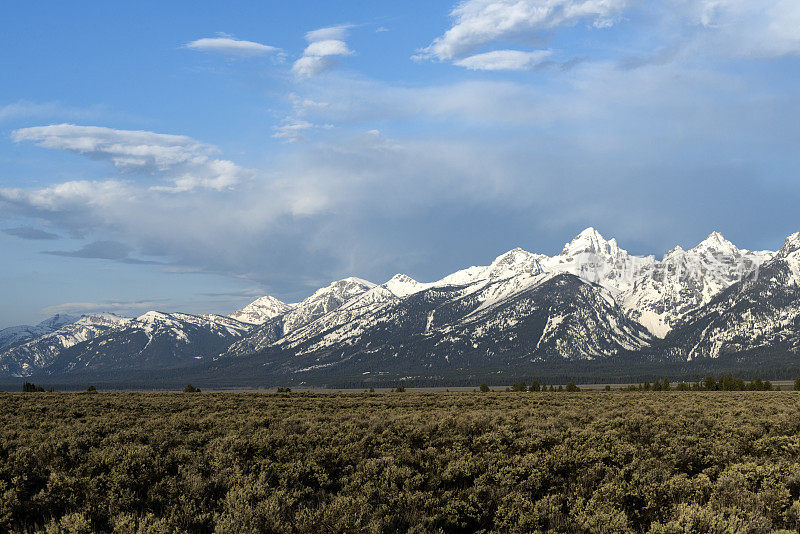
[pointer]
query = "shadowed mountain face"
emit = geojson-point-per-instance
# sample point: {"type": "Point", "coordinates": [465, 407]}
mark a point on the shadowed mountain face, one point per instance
{"type": "Point", "coordinates": [593, 302]}
{"type": "Point", "coordinates": [557, 318]}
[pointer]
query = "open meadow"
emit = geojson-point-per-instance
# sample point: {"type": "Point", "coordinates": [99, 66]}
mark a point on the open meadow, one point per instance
{"type": "Point", "coordinates": [599, 461]}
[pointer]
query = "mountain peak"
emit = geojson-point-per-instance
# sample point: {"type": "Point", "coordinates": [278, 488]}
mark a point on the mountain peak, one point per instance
{"type": "Point", "coordinates": [402, 285]}
{"type": "Point", "coordinates": [402, 278]}
{"type": "Point", "coordinates": [512, 256]}
{"type": "Point", "coordinates": [341, 289]}
{"type": "Point", "coordinates": [352, 280]}
{"type": "Point", "coordinates": [514, 262]}
{"type": "Point", "coordinates": [591, 241]}
{"type": "Point", "coordinates": [791, 245]}
{"type": "Point", "coordinates": [261, 310]}
{"type": "Point", "coordinates": [57, 321]}
{"type": "Point", "coordinates": [152, 317]}
{"type": "Point", "coordinates": [716, 242]}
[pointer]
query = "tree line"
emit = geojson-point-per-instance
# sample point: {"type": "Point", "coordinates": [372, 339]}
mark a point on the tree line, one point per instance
{"type": "Point", "coordinates": [724, 383]}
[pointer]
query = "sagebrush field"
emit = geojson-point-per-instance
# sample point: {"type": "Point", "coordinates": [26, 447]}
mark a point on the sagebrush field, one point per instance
{"type": "Point", "coordinates": [387, 462]}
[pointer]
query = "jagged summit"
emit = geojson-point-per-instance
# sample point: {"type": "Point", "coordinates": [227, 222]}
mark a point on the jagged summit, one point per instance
{"type": "Point", "coordinates": [514, 262]}
{"type": "Point", "coordinates": [716, 244]}
{"type": "Point", "coordinates": [325, 300]}
{"type": "Point", "coordinates": [791, 245]}
{"type": "Point", "coordinates": [590, 241]}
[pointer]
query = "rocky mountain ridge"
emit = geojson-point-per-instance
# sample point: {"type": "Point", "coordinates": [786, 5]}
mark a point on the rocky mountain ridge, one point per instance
{"type": "Point", "coordinates": [592, 301]}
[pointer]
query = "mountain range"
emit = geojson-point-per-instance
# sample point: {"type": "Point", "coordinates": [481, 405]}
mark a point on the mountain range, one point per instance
{"type": "Point", "coordinates": [593, 309]}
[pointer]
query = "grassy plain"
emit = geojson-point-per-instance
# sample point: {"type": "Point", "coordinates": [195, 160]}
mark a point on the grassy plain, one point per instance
{"type": "Point", "coordinates": [657, 462]}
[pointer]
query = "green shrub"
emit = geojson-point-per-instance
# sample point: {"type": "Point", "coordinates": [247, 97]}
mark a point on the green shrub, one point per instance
{"type": "Point", "coordinates": [702, 461]}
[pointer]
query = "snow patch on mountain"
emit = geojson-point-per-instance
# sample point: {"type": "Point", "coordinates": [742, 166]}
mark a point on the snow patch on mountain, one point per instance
{"type": "Point", "coordinates": [40, 352]}
{"type": "Point", "coordinates": [261, 310]}
{"type": "Point", "coordinates": [684, 280]}
{"type": "Point", "coordinates": [323, 301]}
{"type": "Point", "coordinates": [17, 335]}
{"type": "Point", "coordinates": [402, 285]}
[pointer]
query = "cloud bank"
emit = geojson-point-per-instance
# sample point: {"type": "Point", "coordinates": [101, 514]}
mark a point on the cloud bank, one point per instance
{"type": "Point", "coordinates": [186, 163]}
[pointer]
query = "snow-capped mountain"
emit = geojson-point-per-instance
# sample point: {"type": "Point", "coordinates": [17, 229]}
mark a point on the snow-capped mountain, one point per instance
{"type": "Point", "coordinates": [550, 318]}
{"type": "Point", "coordinates": [593, 301]}
{"type": "Point", "coordinates": [261, 310]}
{"type": "Point", "coordinates": [665, 292]}
{"type": "Point", "coordinates": [151, 341]}
{"type": "Point", "coordinates": [17, 335]}
{"type": "Point", "coordinates": [601, 301]}
{"type": "Point", "coordinates": [99, 339]}
{"type": "Point", "coordinates": [758, 313]}
{"type": "Point", "coordinates": [591, 257]}
{"type": "Point", "coordinates": [40, 352]}
{"type": "Point", "coordinates": [320, 303]}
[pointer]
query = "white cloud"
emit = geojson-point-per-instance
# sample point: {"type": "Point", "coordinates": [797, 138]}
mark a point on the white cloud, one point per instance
{"type": "Point", "coordinates": [70, 195]}
{"type": "Point", "coordinates": [230, 46]}
{"type": "Point", "coordinates": [480, 22]}
{"type": "Point", "coordinates": [310, 66]}
{"type": "Point", "coordinates": [324, 45]}
{"type": "Point", "coordinates": [504, 60]}
{"type": "Point", "coordinates": [328, 47]}
{"type": "Point", "coordinates": [292, 130]}
{"type": "Point", "coordinates": [183, 160]}
{"type": "Point", "coordinates": [746, 28]}
{"type": "Point", "coordinates": [331, 32]}
{"type": "Point", "coordinates": [679, 28]}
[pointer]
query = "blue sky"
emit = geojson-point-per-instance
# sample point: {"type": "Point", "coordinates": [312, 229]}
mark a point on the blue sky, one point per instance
{"type": "Point", "coordinates": [194, 155]}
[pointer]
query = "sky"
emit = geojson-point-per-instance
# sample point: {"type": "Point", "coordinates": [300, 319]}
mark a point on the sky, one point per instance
{"type": "Point", "coordinates": [191, 156]}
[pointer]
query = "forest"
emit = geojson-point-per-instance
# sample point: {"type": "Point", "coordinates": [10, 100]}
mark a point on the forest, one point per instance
{"type": "Point", "coordinates": [517, 461]}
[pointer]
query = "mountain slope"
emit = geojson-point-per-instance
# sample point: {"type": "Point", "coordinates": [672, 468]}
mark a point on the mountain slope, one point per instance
{"type": "Point", "coordinates": [261, 310]}
{"type": "Point", "coordinates": [39, 353]}
{"type": "Point", "coordinates": [152, 341]}
{"type": "Point", "coordinates": [665, 292]}
{"type": "Point", "coordinates": [762, 311]}
{"type": "Point", "coordinates": [555, 318]}
{"type": "Point", "coordinates": [321, 302]}
{"type": "Point", "coordinates": [17, 335]}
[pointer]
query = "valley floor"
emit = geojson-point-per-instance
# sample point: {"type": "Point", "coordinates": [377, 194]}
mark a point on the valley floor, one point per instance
{"type": "Point", "coordinates": [386, 462]}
